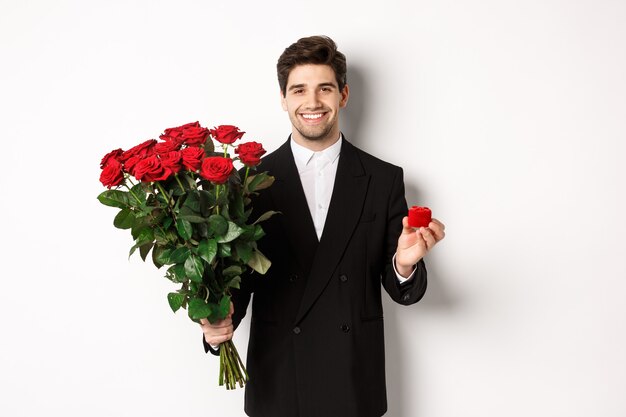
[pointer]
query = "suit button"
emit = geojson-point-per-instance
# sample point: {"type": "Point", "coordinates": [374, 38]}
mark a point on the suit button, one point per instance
{"type": "Point", "coordinates": [293, 277]}
{"type": "Point", "coordinates": [343, 277]}
{"type": "Point", "coordinates": [406, 297]}
{"type": "Point", "coordinates": [296, 330]}
{"type": "Point", "coordinates": [345, 328]}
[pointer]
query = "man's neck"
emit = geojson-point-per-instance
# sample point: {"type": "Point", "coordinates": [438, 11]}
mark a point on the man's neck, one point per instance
{"type": "Point", "coordinates": [315, 145]}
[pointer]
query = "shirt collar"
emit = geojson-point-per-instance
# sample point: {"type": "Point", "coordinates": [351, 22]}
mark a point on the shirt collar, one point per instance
{"type": "Point", "coordinates": [303, 155]}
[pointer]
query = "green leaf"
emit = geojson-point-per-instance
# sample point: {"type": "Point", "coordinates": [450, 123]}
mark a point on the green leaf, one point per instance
{"type": "Point", "coordinates": [144, 250]}
{"type": "Point", "coordinates": [145, 235]}
{"type": "Point", "coordinates": [114, 198]}
{"type": "Point", "coordinates": [176, 273]}
{"type": "Point", "coordinates": [165, 238]}
{"type": "Point", "coordinates": [237, 209]}
{"type": "Point", "coordinates": [266, 216]}
{"type": "Point", "coordinates": [259, 262]}
{"type": "Point", "coordinates": [175, 300]}
{"type": "Point", "coordinates": [232, 233]}
{"type": "Point", "coordinates": [138, 226]}
{"type": "Point", "coordinates": [185, 229]}
{"type": "Point", "coordinates": [258, 182]}
{"type": "Point", "coordinates": [207, 250]}
{"type": "Point", "coordinates": [232, 271]}
{"type": "Point", "coordinates": [224, 307]}
{"type": "Point", "coordinates": [192, 201]}
{"type": "Point", "coordinates": [234, 283]}
{"type": "Point", "coordinates": [179, 255]}
{"type": "Point", "coordinates": [258, 232]}
{"type": "Point", "coordinates": [160, 256]}
{"type": "Point", "coordinates": [218, 225]}
{"type": "Point", "coordinates": [198, 309]}
{"type": "Point", "coordinates": [124, 219]}
{"type": "Point", "coordinates": [209, 146]}
{"type": "Point", "coordinates": [224, 250]}
{"type": "Point", "coordinates": [194, 268]}
{"type": "Point", "coordinates": [191, 216]}
{"type": "Point", "coordinates": [203, 230]}
{"type": "Point", "coordinates": [139, 190]}
{"type": "Point", "coordinates": [244, 250]}
{"type": "Point", "coordinates": [207, 201]}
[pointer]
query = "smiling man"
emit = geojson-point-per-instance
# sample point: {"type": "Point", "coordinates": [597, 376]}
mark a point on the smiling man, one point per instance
{"type": "Point", "coordinates": [316, 345]}
{"type": "Point", "coordinates": [312, 98]}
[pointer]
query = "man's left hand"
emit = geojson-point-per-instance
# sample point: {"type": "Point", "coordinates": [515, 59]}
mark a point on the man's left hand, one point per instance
{"type": "Point", "coordinates": [415, 243]}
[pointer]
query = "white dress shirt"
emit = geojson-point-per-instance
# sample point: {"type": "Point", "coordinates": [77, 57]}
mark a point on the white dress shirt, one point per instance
{"type": "Point", "coordinates": [317, 173]}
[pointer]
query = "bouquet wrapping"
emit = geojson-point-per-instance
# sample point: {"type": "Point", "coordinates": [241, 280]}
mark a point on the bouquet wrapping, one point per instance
{"type": "Point", "coordinates": [189, 209]}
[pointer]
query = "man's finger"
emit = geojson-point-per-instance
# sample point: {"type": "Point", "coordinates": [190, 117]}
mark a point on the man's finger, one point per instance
{"type": "Point", "coordinates": [441, 225]}
{"type": "Point", "coordinates": [429, 237]}
{"type": "Point", "coordinates": [437, 228]}
{"type": "Point", "coordinates": [405, 225]}
{"type": "Point", "coordinates": [217, 340]}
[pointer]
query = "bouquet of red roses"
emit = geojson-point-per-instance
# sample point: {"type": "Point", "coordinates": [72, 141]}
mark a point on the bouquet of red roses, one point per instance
{"type": "Point", "coordinates": [185, 203]}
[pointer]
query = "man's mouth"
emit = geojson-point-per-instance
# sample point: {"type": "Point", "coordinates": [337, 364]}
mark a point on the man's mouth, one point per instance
{"type": "Point", "coordinates": [312, 116]}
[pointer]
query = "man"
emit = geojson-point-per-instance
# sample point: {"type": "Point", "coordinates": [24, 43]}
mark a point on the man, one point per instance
{"type": "Point", "coordinates": [316, 345]}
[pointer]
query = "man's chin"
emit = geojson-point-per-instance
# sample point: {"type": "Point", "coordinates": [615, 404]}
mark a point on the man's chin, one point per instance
{"type": "Point", "coordinates": [315, 136]}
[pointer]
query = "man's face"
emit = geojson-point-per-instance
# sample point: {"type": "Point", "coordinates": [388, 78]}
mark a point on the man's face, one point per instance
{"type": "Point", "coordinates": [313, 100]}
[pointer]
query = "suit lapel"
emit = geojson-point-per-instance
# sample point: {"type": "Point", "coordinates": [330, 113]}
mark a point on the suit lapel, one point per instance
{"type": "Point", "coordinates": [346, 204]}
{"type": "Point", "coordinates": [289, 197]}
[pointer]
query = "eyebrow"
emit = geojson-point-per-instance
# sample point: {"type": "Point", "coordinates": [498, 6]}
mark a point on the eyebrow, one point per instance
{"type": "Point", "coordinates": [296, 86]}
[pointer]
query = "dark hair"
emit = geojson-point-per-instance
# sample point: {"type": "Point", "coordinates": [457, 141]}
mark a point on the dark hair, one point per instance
{"type": "Point", "coordinates": [319, 50]}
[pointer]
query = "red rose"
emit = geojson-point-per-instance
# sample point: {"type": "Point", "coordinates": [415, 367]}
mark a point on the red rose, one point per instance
{"type": "Point", "coordinates": [112, 174]}
{"type": "Point", "coordinates": [250, 153]}
{"type": "Point", "coordinates": [150, 169]}
{"type": "Point", "coordinates": [192, 158]}
{"type": "Point", "coordinates": [171, 144]}
{"type": "Point", "coordinates": [142, 150]}
{"type": "Point", "coordinates": [130, 163]}
{"type": "Point", "coordinates": [115, 155]}
{"type": "Point", "coordinates": [419, 216]}
{"type": "Point", "coordinates": [216, 169]}
{"type": "Point", "coordinates": [171, 161]}
{"type": "Point", "coordinates": [177, 132]}
{"type": "Point", "coordinates": [226, 134]}
{"type": "Point", "coordinates": [195, 135]}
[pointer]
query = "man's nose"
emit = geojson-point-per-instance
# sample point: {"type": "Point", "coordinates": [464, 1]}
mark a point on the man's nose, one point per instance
{"type": "Point", "coordinates": [313, 101]}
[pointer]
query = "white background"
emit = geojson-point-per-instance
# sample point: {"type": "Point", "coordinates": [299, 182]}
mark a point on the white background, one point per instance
{"type": "Point", "coordinates": [508, 117]}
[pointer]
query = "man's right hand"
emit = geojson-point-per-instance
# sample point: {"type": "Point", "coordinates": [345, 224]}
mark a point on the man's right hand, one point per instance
{"type": "Point", "coordinates": [220, 331]}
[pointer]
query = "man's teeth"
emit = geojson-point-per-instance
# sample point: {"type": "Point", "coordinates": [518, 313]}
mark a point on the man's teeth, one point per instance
{"type": "Point", "coordinates": [312, 116]}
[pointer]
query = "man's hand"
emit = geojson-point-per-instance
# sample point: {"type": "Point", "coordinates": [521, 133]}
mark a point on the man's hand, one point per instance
{"type": "Point", "coordinates": [414, 244]}
{"type": "Point", "coordinates": [220, 331]}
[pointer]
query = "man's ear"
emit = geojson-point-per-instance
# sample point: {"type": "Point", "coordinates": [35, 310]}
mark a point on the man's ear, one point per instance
{"type": "Point", "coordinates": [283, 101]}
{"type": "Point", "coordinates": [345, 93]}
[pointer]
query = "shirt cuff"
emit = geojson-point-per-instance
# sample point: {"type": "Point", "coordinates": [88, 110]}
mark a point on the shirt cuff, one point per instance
{"type": "Point", "coordinates": [401, 279]}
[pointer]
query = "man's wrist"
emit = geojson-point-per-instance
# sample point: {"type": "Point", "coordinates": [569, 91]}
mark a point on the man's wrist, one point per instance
{"type": "Point", "coordinates": [403, 273]}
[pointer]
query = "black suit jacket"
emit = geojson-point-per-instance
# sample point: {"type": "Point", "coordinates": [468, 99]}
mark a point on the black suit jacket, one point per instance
{"type": "Point", "coordinates": [316, 345]}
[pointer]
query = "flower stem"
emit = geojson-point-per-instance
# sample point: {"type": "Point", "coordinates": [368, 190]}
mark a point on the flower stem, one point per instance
{"type": "Point", "coordinates": [167, 197]}
{"type": "Point", "coordinates": [179, 183]}
{"type": "Point", "coordinates": [217, 196]}
{"type": "Point", "coordinates": [170, 203]}
{"type": "Point", "coordinates": [232, 369]}
{"type": "Point", "coordinates": [246, 176]}
{"type": "Point", "coordinates": [133, 194]}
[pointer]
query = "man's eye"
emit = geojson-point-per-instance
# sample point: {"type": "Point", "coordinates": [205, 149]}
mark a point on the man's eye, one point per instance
{"type": "Point", "coordinates": [299, 91]}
